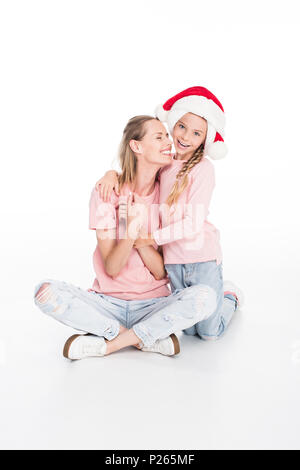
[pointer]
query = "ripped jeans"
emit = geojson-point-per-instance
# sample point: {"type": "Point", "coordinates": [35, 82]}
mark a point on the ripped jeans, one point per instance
{"type": "Point", "coordinates": [209, 273]}
{"type": "Point", "coordinates": [102, 315]}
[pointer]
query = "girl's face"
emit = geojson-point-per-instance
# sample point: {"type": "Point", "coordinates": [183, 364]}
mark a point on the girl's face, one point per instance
{"type": "Point", "coordinates": [155, 147]}
{"type": "Point", "coordinates": [188, 134]}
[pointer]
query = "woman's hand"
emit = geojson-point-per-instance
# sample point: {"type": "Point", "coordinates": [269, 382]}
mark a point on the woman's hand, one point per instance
{"type": "Point", "coordinates": [107, 184]}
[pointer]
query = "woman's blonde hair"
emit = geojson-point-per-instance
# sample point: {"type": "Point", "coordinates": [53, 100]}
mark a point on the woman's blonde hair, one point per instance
{"type": "Point", "coordinates": [182, 176]}
{"type": "Point", "coordinates": [134, 130]}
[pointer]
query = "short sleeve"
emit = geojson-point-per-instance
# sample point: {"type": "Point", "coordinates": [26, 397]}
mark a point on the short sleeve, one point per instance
{"type": "Point", "coordinates": [102, 214]}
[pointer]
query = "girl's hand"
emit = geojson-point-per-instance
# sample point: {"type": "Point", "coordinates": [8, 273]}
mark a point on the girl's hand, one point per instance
{"type": "Point", "coordinates": [144, 240]}
{"type": "Point", "coordinates": [107, 184]}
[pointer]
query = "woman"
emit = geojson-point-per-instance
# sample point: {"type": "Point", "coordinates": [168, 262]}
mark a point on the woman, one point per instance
{"type": "Point", "coordinates": [130, 303]}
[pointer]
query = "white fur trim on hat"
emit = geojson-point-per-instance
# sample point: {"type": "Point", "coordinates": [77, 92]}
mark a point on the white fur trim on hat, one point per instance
{"type": "Point", "coordinates": [205, 108]}
{"type": "Point", "coordinates": [210, 134]}
{"type": "Point", "coordinates": [161, 113]}
{"type": "Point", "coordinates": [173, 116]}
{"type": "Point", "coordinates": [199, 105]}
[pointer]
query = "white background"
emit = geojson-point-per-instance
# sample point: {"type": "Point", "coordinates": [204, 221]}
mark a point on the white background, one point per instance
{"type": "Point", "coordinates": [72, 74]}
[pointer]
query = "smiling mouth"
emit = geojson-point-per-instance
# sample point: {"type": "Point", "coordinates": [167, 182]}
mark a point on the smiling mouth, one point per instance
{"type": "Point", "coordinates": [183, 145]}
{"type": "Point", "coordinates": [166, 152]}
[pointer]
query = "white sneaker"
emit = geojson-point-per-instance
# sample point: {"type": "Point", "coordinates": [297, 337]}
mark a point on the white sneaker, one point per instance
{"type": "Point", "coordinates": [82, 346]}
{"type": "Point", "coordinates": [231, 288]}
{"type": "Point", "coordinates": [168, 346]}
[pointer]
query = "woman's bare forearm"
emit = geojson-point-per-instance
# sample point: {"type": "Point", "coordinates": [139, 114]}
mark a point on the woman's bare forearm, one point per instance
{"type": "Point", "coordinates": [118, 257]}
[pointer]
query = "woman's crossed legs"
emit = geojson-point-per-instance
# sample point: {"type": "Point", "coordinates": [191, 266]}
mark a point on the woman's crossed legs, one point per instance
{"type": "Point", "coordinates": [121, 323]}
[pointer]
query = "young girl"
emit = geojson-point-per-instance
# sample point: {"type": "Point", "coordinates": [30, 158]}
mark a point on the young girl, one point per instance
{"type": "Point", "coordinates": [191, 249]}
{"type": "Point", "coordinates": [130, 303]}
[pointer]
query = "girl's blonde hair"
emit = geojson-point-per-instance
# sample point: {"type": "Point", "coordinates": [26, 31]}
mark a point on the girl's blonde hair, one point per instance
{"type": "Point", "coordinates": [182, 176]}
{"type": "Point", "coordinates": [134, 130]}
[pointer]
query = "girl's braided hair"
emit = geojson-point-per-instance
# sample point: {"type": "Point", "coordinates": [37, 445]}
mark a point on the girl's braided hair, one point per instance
{"type": "Point", "coordinates": [182, 176]}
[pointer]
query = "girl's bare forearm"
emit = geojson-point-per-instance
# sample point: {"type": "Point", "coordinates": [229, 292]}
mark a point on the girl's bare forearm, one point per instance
{"type": "Point", "coordinates": [153, 260]}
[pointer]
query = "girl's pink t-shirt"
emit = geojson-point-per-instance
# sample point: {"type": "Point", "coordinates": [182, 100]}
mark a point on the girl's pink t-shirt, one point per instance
{"type": "Point", "coordinates": [186, 234]}
{"type": "Point", "coordinates": [135, 281]}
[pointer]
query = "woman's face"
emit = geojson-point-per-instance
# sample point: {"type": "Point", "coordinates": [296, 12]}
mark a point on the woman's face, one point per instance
{"type": "Point", "coordinates": [188, 134]}
{"type": "Point", "coordinates": [155, 147]}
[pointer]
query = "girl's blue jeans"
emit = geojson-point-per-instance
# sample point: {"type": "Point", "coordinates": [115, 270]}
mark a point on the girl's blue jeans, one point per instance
{"type": "Point", "coordinates": [102, 315]}
{"type": "Point", "coordinates": [184, 276]}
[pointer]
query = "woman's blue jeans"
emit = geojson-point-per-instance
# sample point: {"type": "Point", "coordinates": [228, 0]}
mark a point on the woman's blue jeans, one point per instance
{"type": "Point", "coordinates": [102, 315]}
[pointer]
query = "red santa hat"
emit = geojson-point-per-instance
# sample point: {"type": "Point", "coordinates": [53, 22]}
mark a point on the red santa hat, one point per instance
{"type": "Point", "coordinates": [198, 100]}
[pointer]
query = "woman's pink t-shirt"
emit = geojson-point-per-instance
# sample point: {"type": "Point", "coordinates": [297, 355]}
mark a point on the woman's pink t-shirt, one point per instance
{"type": "Point", "coordinates": [186, 234]}
{"type": "Point", "coordinates": [135, 281]}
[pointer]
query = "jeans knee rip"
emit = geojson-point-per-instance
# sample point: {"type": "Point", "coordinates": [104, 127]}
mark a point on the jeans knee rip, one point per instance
{"type": "Point", "coordinates": [48, 301]}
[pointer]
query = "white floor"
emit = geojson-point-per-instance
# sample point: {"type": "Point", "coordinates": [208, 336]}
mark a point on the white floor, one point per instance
{"type": "Point", "coordinates": [240, 392]}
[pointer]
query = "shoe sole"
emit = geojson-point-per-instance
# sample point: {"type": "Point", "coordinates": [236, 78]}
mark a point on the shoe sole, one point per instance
{"type": "Point", "coordinates": [68, 345]}
{"type": "Point", "coordinates": [175, 343]}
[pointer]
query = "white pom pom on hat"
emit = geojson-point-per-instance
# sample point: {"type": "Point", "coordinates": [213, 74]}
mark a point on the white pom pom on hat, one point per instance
{"type": "Point", "coordinates": [216, 150]}
{"type": "Point", "coordinates": [199, 101]}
